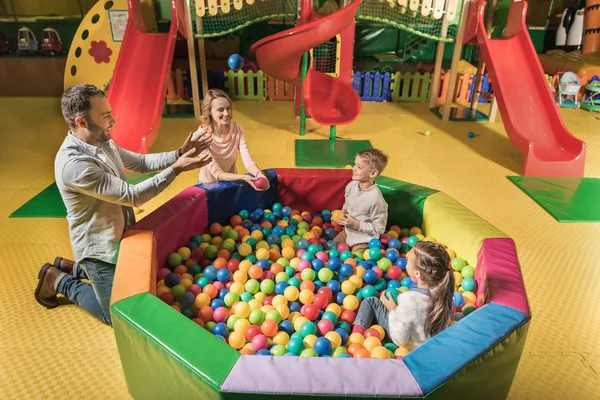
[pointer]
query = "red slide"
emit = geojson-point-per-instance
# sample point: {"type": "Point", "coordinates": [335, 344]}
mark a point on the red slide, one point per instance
{"type": "Point", "coordinates": [327, 99]}
{"type": "Point", "coordinates": [529, 112]}
{"type": "Point", "coordinates": [138, 87]}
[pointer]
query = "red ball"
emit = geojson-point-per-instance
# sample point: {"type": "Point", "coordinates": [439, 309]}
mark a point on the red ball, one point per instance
{"type": "Point", "coordinates": [205, 263]}
{"type": "Point", "coordinates": [394, 272]}
{"type": "Point", "coordinates": [378, 271]}
{"type": "Point", "coordinates": [384, 239]}
{"type": "Point", "coordinates": [322, 242]}
{"type": "Point", "coordinates": [325, 291]}
{"type": "Point", "coordinates": [311, 311]}
{"type": "Point", "coordinates": [326, 225]}
{"type": "Point", "coordinates": [252, 331]}
{"type": "Point", "coordinates": [162, 273]}
{"type": "Point", "coordinates": [313, 241]}
{"type": "Point", "coordinates": [325, 326]}
{"type": "Point", "coordinates": [320, 301]}
{"type": "Point", "coordinates": [261, 183]}
{"type": "Point", "coordinates": [348, 316]}
{"type": "Point", "coordinates": [199, 322]}
{"type": "Point", "coordinates": [198, 254]}
{"type": "Point", "coordinates": [372, 332]}
{"type": "Point", "coordinates": [233, 265]}
{"type": "Point", "coordinates": [268, 275]}
{"type": "Point", "coordinates": [194, 289]}
{"type": "Point", "coordinates": [268, 301]}
{"type": "Point", "coordinates": [167, 297]}
{"type": "Point", "coordinates": [228, 285]}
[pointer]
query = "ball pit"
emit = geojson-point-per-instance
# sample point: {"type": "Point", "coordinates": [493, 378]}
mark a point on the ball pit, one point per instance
{"type": "Point", "coordinates": [269, 282]}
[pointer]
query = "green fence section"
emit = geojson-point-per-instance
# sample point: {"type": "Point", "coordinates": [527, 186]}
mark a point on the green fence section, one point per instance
{"type": "Point", "coordinates": [248, 85]}
{"type": "Point", "coordinates": [411, 86]}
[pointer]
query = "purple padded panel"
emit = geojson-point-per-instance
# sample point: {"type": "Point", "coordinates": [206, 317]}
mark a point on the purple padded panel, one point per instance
{"type": "Point", "coordinates": [321, 376]}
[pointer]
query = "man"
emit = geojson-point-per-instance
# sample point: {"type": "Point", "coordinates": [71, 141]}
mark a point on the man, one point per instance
{"type": "Point", "coordinates": [89, 174]}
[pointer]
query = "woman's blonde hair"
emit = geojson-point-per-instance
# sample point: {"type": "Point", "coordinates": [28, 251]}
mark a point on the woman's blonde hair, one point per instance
{"type": "Point", "coordinates": [212, 94]}
{"type": "Point", "coordinates": [433, 261]}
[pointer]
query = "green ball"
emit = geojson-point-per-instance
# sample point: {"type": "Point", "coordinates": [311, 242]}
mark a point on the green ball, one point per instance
{"type": "Point", "coordinates": [309, 353]}
{"type": "Point", "coordinates": [427, 132]}
{"type": "Point", "coordinates": [412, 240]}
{"type": "Point", "coordinates": [325, 275]}
{"type": "Point", "coordinates": [303, 225]}
{"type": "Point", "coordinates": [468, 310]}
{"type": "Point", "coordinates": [308, 275]}
{"type": "Point", "coordinates": [246, 297]}
{"type": "Point", "coordinates": [284, 262]}
{"type": "Point", "coordinates": [384, 264]}
{"type": "Point", "coordinates": [233, 234]}
{"type": "Point", "coordinates": [295, 238]}
{"type": "Point", "coordinates": [188, 313]}
{"type": "Point", "coordinates": [278, 350]}
{"type": "Point", "coordinates": [468, 271]}
{"type": "Point", "coordinates": [295, 345]}
{"type": "Point", "coordinates": [174, 259]}
{"type": "Point", "coordinates": [458, 264]}
{"type": "Point", "coordinates": [252, 242]}
{"type": "Point", "coordinates": [230, 298]}
{"type": "Point", "coordinates": [294, 282]}
{"type": "Point", "coordinates": [359, 255]}
{"type": "Point", "coordinates": [405, 232]}
{"type": "Point", "coordinates": [308, 328]}
{"type": "Point", "coordinates": [252, 286]}
{"type": "Point", "coordinates": [277, 206]}
{"type": "Point", "coordinates": [197, 239]}
{"type": "Point", "coordinates": [392, 294]}
{"type": "Point", "coordinates": [301, 232]}
{"type": "Point", "coordinates": [380, 284]}
{"type": "Point", "coordinates": [403, 289]}
{"type": "Point", "coordinates": [338, 351]}
{"type": "Point", "coordinates": [274, 315]}
{"type": "Point", "coordinates": [282, 277]}
{"type": "Point", "coordinates": [390, 346]}
{"type": "Point", "coordinates": [177, 291]}
{"type": "Point", "coordinates": [210, 325]}
{"type": "Point", "coordinates": [194, 270]}
{"type": "Point", "coordinates": [404, 248]}
{"type": "Point", "coordinates": [330, 316]}
{"type": "Point", "coordinates": [211, 252]}
{"type": "Point", "coordinates": [231, 321]}
{"type": "Point", "coordinates": [344, 325]}
{"type": "Point", "coordinates": [368, 291]}
{"type": "Point", "coordinates": [230, 247]}
{"type": "Point", "coordinates": [256, 317]}
{"type": "Point", "coordinates": [375, 253]}
{"type": "Point", "coordinates": [244, 214]}
{"type": "Point", "coordinates": [267, 286]}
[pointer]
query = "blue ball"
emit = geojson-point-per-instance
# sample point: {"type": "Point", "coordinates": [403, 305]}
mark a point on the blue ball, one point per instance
{"type": "Point", "coordinates": [302, 244]}
{"type": "Point", "coordinates": [322, 346]}
{"type": "Point", "coordinates": [222, 293]}
{"type": "Point", "coordinates": [191, 245]}
{"type": "Point", "coordinates": [458, 299]}
{"type": "Point", "coordinates": [393, 284]}
{"type": "Point", "coordinates": [343, 334]}
{"type": "Point", "coordinates": [278, 214]}
{"type": "Point", "coordinates": [406, 282]}
{"type": "Point", "coordinates": [370, 276]}
{"type": "Point", "coordinates": [187, 299]}
{"type": "Point", "coordinates": [330, 245]}
{"type": "Point", "coordinates": [401, 262]}
{"type": "Point", "coordinates": [278, 230]}
{"type": "Point", "coordinates": [326, 218]}
{"type": "Point", "coordinates": [289, 355]}
{"type": "Point", "coordinates": [471, 135]}
{"type": "Point", "coordinates": [346, 270]}
{"type": "Point", "coordinates": [264, 264]}
{"type": "Point", "coordinates": [210, 273]}
{"type": "Point", "coordinates": [334, 286]}
{"type": "Point", "coordinates": [172, 279]}
{"type": "Point", "coordinates": [286, 326]}
{"type": "Point", "coordinates": [223, 275]}
{"type": "Point", "coordinates": [374, 243]}
{"type": "Point", "coordinates": [295, 306]}
{"type": "Point", "coordinates": [280, 287]}
{"type": "Point", "coordinates": [220, 329]}
{"type": "Point", "coordinates": [329, 233]}
{"type": "Point", "coordinates": [392, 255]}
{"type": "Point", "coordinates": [344, 356]}
{"type": "Point", "coordinates": [318, 284]}
{"type": "Point", "coordinates": [317, 264]}
{"type": "Point", "coordinates": [263, 352]}
{"type": "Point", "coordinates": [339, 298]}
{"type": "Point", "coordinates": [394, 244]}
{"type": "Point", "coordinates": [216, 303]}
{"type": "Point", "coordinates": [286, 211]}
{"type": "Point", "coordinates": [334, 264]}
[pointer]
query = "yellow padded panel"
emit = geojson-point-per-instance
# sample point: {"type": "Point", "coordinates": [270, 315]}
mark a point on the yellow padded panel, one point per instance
{"type": "Point", "coordinates": [456, 226]}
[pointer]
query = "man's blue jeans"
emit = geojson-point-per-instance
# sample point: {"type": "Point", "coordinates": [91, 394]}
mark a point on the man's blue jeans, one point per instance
{"type": "Point", "coordinates": [95, 299]}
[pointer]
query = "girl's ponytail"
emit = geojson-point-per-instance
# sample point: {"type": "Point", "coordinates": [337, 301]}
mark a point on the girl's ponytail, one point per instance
{"type": "Point", "coordinates": [441, 305]}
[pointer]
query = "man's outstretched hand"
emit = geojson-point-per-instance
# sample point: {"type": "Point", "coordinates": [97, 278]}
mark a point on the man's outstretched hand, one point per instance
{"type": "Point", "coordinates": [199, 140]}
{"type": "Point", "coordinates": [188, 161]}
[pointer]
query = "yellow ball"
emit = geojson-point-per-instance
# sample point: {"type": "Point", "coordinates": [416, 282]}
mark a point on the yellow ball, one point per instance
{"type": "Point", "coordinates": [241, 325]}
{"type": "Point", "coordinates": [337, 215]}
{"type": "Point", "coordinates": [348, 287]}
{"type": "Point", "coordinates": [306, 296]}
{"type": "Point", "coordinates": [334, 308]}
{"type": "Point", "coordinates": [351, 302]}
{"type": "Point", "coordinates": [357, 280]}
{"type": "Point", "coordinates": [255, 304]}
{"type": "Point", "coordinates": [245, 250]}
{"type": "Point", "coordinates": [334, 338]}
{"type": "Point", "coordinates": [237, 287]}
{"type": "Point", "coordinates": [245, 266]}
{"type": "Point", "coordinates": [451, 253]}
{"type": "Point", "coordinates": [379, 329]}
{"type": "Point", "coordinates": [360, 271]}
{"type": "Point", "coordinates": [457, 278]}
{"type": "Point", "coordinates": [288, 252]}
{"type": "Point", "coordinates": [380, 352]}
{"type": "Point", "coordinates": [294, 316]}
{"type": "Point", "coordinates": [283, 310]}
{"type": "Point", "coordinates": [161, 283]}
{"type": "Point", "coordinates": [401, 351]}
{"type": "Point", "coordinates": [415, 230]}
{"type": "Point", "coordinates": [187, 276]}
{"type": "Point", "coordinates": [279, 300]}
{"type": "Point", "coordinates": [371, 342]}
{"type": "Point", "coordinates": [262, 254]}
{"type": "Point", "coordinates": [291, 293]}
{"type": "Point", "coordinates": [248, 346]}
{"type": "Point", "coordinates": [185, 253]}
{"type": "Point", "coordinates": [258, 235]}
{"type": "Point", "coordinates": [236, 340]}
{"type": "Point", "coordinates": [294, 263]}
{"type": "Point", "coordinates": [366, 255]}
{"type": "Point", "coordinates": [356, 338]}
{"type": "Point", "coordinates": [262, 245]}
{"type": "Point", "coordinates": [202, 300]}
{"type": "Point", "coordinates": [309, 341]}
{"type": "Point", "coordinates": [287, 242]}
{"type": "Point", "coordinates": [393, 234]}
{"type": "Point", "coordinates": [242, 309]}
{"type": "Point", "coordinates": [308, 236]}
{"type": "Point", "coordinates": [429, 239]}
{"type": "Point", "coordinates": [240, 277]}
{"type": "Point", "coordinates": [260, 296]}
{"type": "Point", "coordinates": [204, 245]}
{"type": "Point", "coordinates": [206, 238]}
{"type": "Point", "coordinates": [469, 297]}
{"type": "Point", "coordinates": [420, 236]}
{"type": "Point", "coordinates": [281, 338]}
{"type": "Point", "coordinates": [266, 308]}
{"type": "Point", "coordinates": [162, 289]}
{"type": "Point", "coordinates": [299, 322]}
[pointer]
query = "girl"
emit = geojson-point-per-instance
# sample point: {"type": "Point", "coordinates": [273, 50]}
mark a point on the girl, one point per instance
{"type": "Point", "coordinates": [422, 312]}
{"type": "Point", "coordinates": [228, 138]}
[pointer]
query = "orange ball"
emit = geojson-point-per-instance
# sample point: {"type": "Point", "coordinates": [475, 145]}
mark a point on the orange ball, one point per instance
{"type": "Point", "coordinates": [276, 268]}
{"type": "Point", "coordinates": [205, 313]}
{"type": "Point", "coordinates": [190, 261]}
{"type": "Point", "coordinates": [396, 229]}
{"type": "Point", "coordinates": [362, 353]}
{"type": "Point", "coordinates": [246, 352]}
{"type": "Point", "coordinates": [220, 262]}
{"type": "Point", "coordinates": [235, 220]}
{"type": "Point", "coordinates": [211, 290]}
{"type": "Point", "coordinates": [215, 228]}
{"type": "Point", "coordinates": [255, 272]}
{"type": "Point", "coordinates": [380, 352]}
{"type": "Point", "coordinates": [224, 253]}
{"type": "Point", "coordinates": [355, 347]}
{"type": "Point", "coordinates": [274, 255]}
{"type": "Point", "coordinates": [310, 285]}
{"type": "Point", "coordinates": [180, 269]}
{"type": "Point", "coordinates": [269, 328]}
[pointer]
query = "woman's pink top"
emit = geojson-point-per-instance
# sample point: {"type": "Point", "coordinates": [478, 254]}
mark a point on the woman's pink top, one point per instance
{"type": "Point", "coordinates": [224, 153]}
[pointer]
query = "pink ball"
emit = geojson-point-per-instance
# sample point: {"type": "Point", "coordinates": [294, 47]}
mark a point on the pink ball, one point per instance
{"type": "Point", "coordinates": [260, 342]}
{"type": "Point", "coordinates": [220, 314]}
{"type": "Point", "coordinates": [404, 240]}
{"type": "Point", "coordinates": [398, 357]}
{"type": "Point", "coordinates": [384, 239]}
{"type": "Point", "coordinates": [307, 218]}
{"type": "Point", "coordinates": [322, 256]}
{"type": "Point", "coordinates": [195, 289]}
{"type": "Point", "coordinates": [219, 285]}
{"type": "Point", "coordinates": [261, 183]}
{"type": "Point", "coordinates": [162, 273]}
{"type": "Point", "coordinates": [268, 275]}
{"type": "Point", "coordinates": [378, 271]}
{"type": "Point", "coordinates": [342, 247]}
{"type": "Point", "coordinates": [300, 252]}
{"type": "Point", "coordinates": [322, 242]}
{"type": "Point", "coordinates": [304, 264]}
{"type": "Point", "coordinates": [325, 326]}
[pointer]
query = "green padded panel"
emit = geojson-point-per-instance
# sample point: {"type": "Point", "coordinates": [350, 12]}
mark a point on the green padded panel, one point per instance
{"type": "Point", "coordinates": [505, 355]}
{"type": "Point", "coordinates": [49, 204]}
{"type": "Point", "coordinates": [328, 153]}
{"type": "Point", "coordinates": [161, 349]}
{"type": "Point", "coordinates": [405, 201]}
{"type": "Point", "coordinates": [566, 199]}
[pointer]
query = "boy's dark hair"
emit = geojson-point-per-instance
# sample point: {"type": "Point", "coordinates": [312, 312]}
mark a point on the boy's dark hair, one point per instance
{"type": "Point", "coordinates": [375, 158]}
{"type": "Point", "coordinates": [76, 102]}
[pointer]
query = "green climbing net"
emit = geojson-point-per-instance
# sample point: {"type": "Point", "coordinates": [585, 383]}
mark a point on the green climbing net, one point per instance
{"type": "Point", "coordinates": [223, 24]}
{"type": "Point", "coordinates": [390, 13]}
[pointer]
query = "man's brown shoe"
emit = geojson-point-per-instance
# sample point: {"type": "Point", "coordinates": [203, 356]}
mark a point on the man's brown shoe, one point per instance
{"type": "Point", "coordinates": [44, 292]}
{"type": "Point", "coordinates": [64, 265]}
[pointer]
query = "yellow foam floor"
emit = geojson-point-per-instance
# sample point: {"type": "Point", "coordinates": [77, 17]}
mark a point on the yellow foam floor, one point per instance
{"type": "Point", "coordinates": [65, 353]}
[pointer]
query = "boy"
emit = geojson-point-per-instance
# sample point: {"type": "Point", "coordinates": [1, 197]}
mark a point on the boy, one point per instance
{"type": "Point", "coordinates": [366, 211]}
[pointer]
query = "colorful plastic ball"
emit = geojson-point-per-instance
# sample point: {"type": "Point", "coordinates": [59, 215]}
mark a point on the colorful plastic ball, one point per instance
{"type": "Point", "coordinates": [380, 352]}
{"type": "Point", "coordinates": [348, 315]}
{"type": "Point", "coordinates": [406, 282]}
{"type": "Point", "coordinates": [468, 309]}
{"type": "Point", "coordinates": [401, 263]}
{"type": "Point", "coordinates": [174, 259]}
{"type": "Point", "coordinates": [458, 300]}
{"type": "Point", "coordinates": [334, 263]}
{"type": "Point", "coordinates": [458, 264]}
{"type": "Point", "coordinates": [369, 276]}
{"type": "Point", "coordinates": [260, 342]}
{"type": "Point", "coordinates": [295, 345]}
{"type": "Point", "coordinates": [309, 353]}
{"type": "Point", "coordinates": [322, 346]}
{"type": "Point", "coordinates": [220, 329]}
{"type": "Point", "coordinates": [368, 291]}
{"type": "Point", "coordinates": [236, 340]}
{"type": "Point", "coordinates": [325, 274]}
{"type": "Point", "coordinates": [346, 270]}
{"type": "Point", "coordinates": [334, 286]}
{"type": "Point", "coordinates": [256, 317]}
{"type": "Point", "coordinates": [384, 264]}
{"type": "Point", "coordinates": [468, 271]}
{"type": "Point", "coordinates": [286, 326]}
{"type": "Point", "coordinates": [374, 243]}
{"type": "Point", "coordinates": [468, 284]}
{"type": "Point", "coordinates": [374, 253]}
{"type": "Point", "coordinates": [267, 286]}
{"type": "Point", "coordinates": [224, 275]}
{"type": "Point", "coordinates": [324, 326]}
{"type": "Point", "coordinates": [470, 135]}
{"type": "Point", "coordinates": [172, 279]}
{"type": "Point", "coordinates": [394, 273]}
{"type": "Point", "coordinates": [308, 328]}
{"type": "Point", "coordinates": [392, 294]}
{"type": "Point", "coordinates": [278, 350]}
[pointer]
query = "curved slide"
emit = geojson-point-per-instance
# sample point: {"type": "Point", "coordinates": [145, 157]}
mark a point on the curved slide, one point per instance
{"type": "Point", "coordinates": [327, 99]}
{"type": "Point", "coordinates": [529, 112]}
{"type": "Point", "coordinates": [138, 87]}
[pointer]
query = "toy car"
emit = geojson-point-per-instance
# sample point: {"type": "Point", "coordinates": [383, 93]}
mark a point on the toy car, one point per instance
{"type": "Point", "coordinates": [51, 43]}
{"type": "Point", "coordinates": [26, 42]}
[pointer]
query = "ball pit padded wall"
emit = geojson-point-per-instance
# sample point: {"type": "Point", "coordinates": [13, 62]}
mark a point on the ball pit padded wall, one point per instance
{"type": "Point", "coordinates": [166, 355]}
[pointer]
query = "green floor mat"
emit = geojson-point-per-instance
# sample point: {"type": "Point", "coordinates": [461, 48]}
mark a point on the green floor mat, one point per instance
{"type": "Point", "coordinates": [49, 204]}
{"type": "Point", "coordinates": [566, 199]}
{"type": "Point", "coordinates": [328, 153]}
